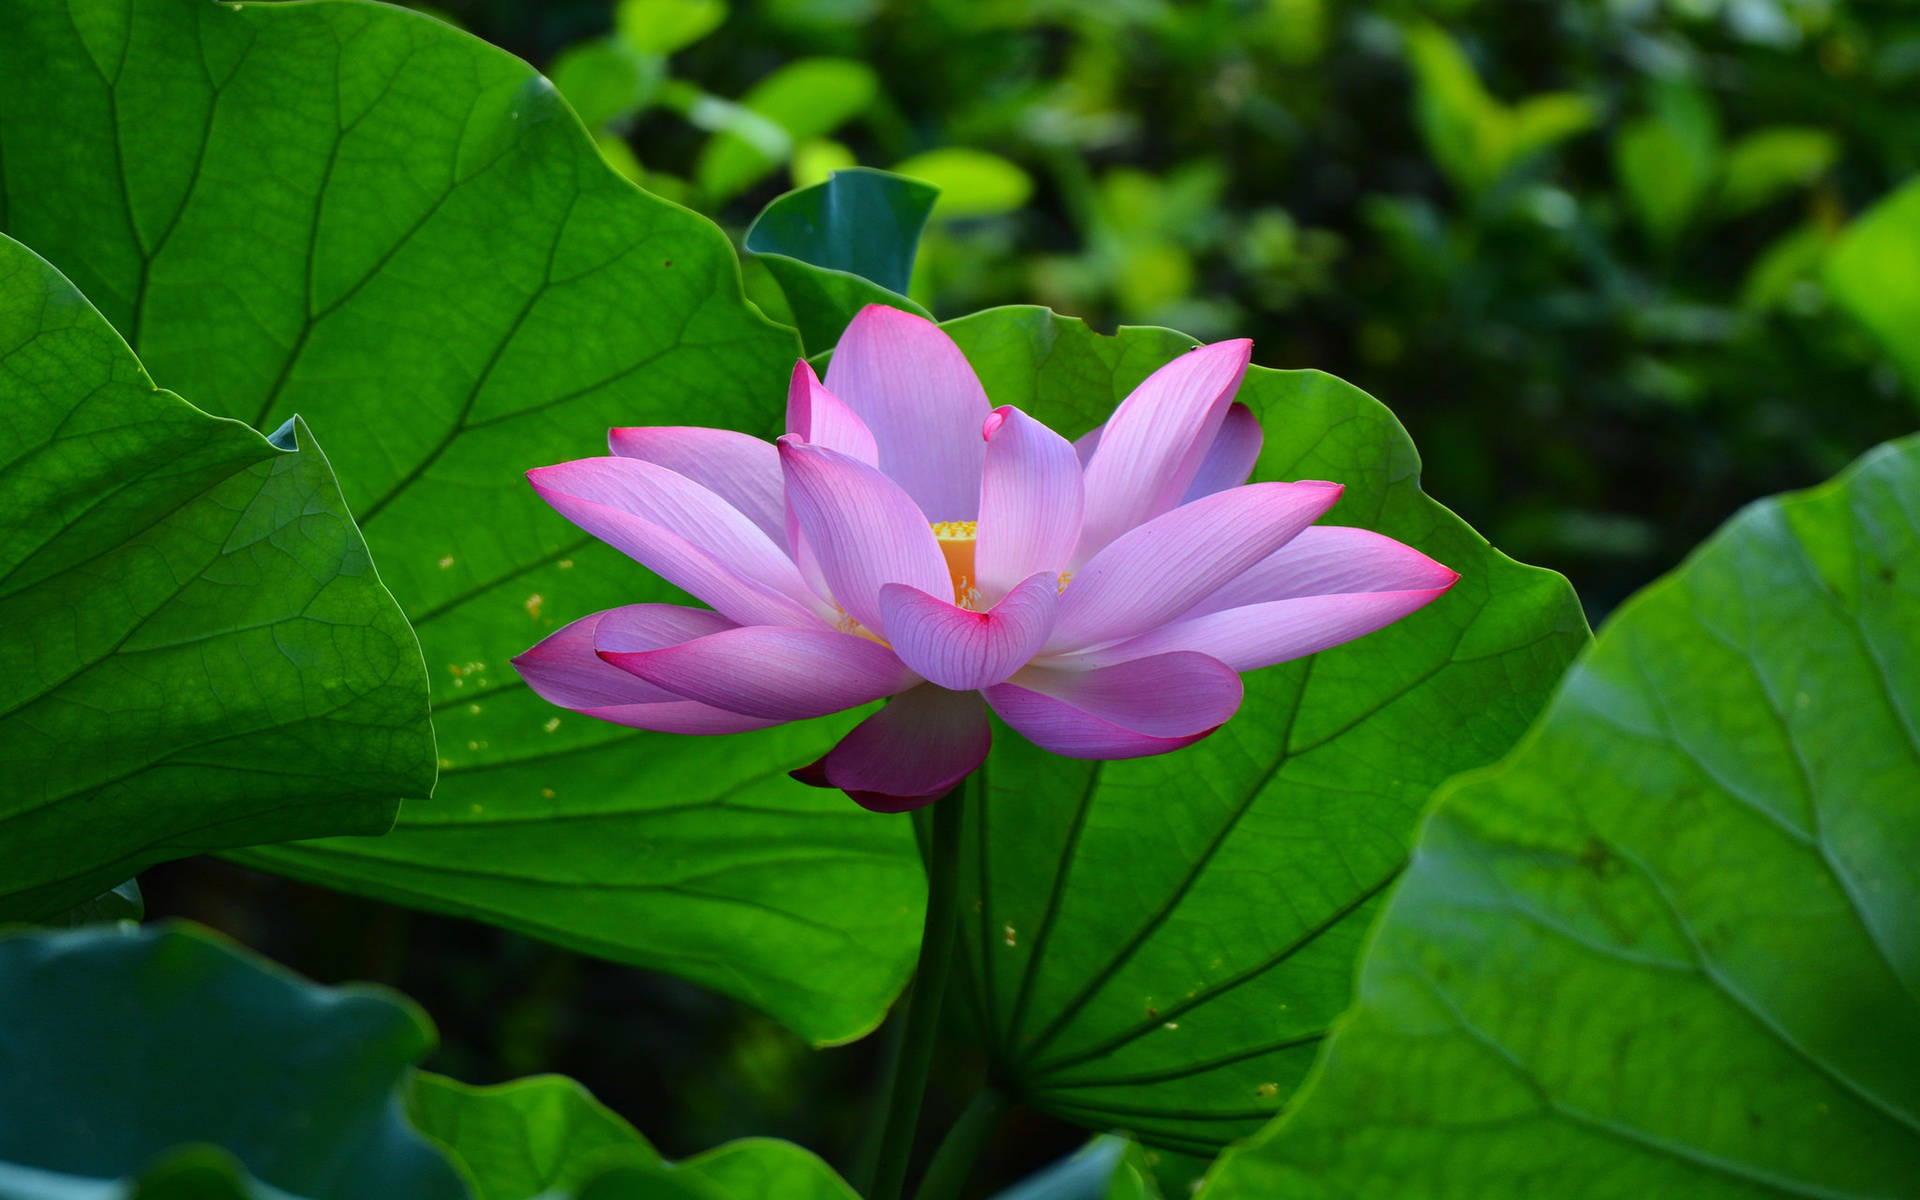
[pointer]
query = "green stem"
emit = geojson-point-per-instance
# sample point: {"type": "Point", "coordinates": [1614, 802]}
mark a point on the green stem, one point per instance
{"type": "Point", "coordinates": [961, 1148]}
{"type": "Point", "coordinates": [929, 986]}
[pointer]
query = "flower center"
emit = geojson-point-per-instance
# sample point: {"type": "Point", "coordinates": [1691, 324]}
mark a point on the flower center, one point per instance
{"type": "Point", "coordinates": [956, 543]}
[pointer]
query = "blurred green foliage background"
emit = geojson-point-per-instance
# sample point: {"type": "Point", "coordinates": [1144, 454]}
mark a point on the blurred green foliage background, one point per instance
{"type": "Point", "coordinates": [1577, 245]}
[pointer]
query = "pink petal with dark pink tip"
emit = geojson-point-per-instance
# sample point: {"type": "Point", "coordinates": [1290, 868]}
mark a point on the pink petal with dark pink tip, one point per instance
{"type": "Point", "coordinates": [864, 531]}
{"type": "Point", "coordinates": [744, 471]}
{"type": "Point", "coordinates": [770, 671]}
{"type": "Point", "coordinates": [1231, 458]}
{"type": "Point", "coordinates": [1030, 504]}
{"type": "Point", "coordinates": [910, 753]}
{"type": "Point", "coordinates": [965, 650]}
{"type": "Point", "coordinates": [820, 418]}
{"type": "Point", "coordinates": [1131, 709]}
{"type": "Point", "coordinates": [1151, 448]}
{"type": "Point", "coordinates": [914, 389]}
{"type": "Point", "coordinates": [563, 669]}
{"type": "Point", "coordinates": [682, 532]}
{"type": "Point", "coordinates": [1329, 560]}
{"type": "Point", "coordinates": [1158, 571]}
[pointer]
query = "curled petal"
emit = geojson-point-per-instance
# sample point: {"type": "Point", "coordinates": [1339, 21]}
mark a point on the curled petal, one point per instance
{"type": "Point", "coordinates": [682, 532]}
{"type": "Point", "coordinates": [565, 670]}
{"type": "Point", "coordinates": [769, 671]}
{"type": "Point", "coordinates": [1030, 503]}
{"type": "Point", "coordinates": [915, 391]}
{"type": "Point", "coordinates": [862, 529]}
{"type": "Point", "coordinates": [1231, 458]}
{"type": "Point", "coordinates": [1128, 710]}
{"type": "Point", "coordinates": [1161, 569]}
{"type": "Point", "coordinates": [1151, 448]}
{"type": "Point", "coordinates": [821, 418]}
{"type": "Point", "coordinates": [910, 753]}
{"type": "Point", "coordinates": [744, 471]}
{"type": "Point", "coordinates": [1330, 560]}
{"type": "Point", "coordinates": [964, 650]}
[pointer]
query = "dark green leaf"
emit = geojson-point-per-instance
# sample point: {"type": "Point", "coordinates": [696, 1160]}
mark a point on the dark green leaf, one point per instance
{"type": "Point", "coordinates": [1870, 272]}
{"type": "Point", "coordinates": [123, 1046]}
{"type": "Point", "coordinates": [841, 245]}
{"type": "Point", "coordinates": [1667, 947]}
{"type": "Point", "coordinates": [122, 903]}
{"type": "Point", "coordinates": [523, 1138]}
{"type": "Point", "coordinates": [1159, 945]}
{"type": "Point", "coordinates": [362, 214]}
{"type": "Point", "coordinates": [195, 652]}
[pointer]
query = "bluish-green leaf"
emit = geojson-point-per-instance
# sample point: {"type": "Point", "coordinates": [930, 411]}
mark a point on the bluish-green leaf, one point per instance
{"type": "Point", "coordinates": [120, 1047]}
{"type": "Point", "coordinates": [360, 214]}
{"type": "Point", "coordinates": [1668, 947]}
{"type": "Point", "coordinates": [838, 246]}
{"type": "Point", "coordinates": [195, 652]}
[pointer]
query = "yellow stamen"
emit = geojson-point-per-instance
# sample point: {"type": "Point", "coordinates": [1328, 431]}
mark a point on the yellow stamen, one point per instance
{"type": "Point", "coordinates": [956, 543]}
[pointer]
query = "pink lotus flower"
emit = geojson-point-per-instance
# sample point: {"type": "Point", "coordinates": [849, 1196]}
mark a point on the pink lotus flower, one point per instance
{"type": "Point", "coordinates": [906, 539]}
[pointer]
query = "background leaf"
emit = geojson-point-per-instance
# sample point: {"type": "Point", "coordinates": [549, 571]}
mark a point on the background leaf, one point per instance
{"type": "Point", "coordinates": [142, 1041]}
{"type": "Point", "coordinates": [972, 183]}
{"type": "Point", "coordinates": [1665, 948]}
{"type": "Point", "coordinates": [1870, 271]}
{"type": "Point", "coordinates": [195, 652]}
{"type": "Point", "coordinates": [838, 246]}
{"type": "Point", "coordinates": [519, 1139]}
{"type": "Point", "coordinates": [807, 99]}
{"type": "Point", "coordinates": [1159, 945]}
{"type": "Point", "coordinates": [748, 1169]}
{"type": "Point", "coordinates": [422, 251]}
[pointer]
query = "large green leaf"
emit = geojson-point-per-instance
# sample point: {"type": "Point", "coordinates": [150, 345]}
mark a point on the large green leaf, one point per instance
{"type": "Point", "coordinates": [1669, 947]}
{"type": "Point", "coordinates": [1159, 945]}
{"type": "Point", "coordinates": [362, 214]}
{"type": "Point", "coordinates": [523, 1138]}
{"type": "Point", "coordinates": [195, 652]}
{"type": "Point", "coordinates": [121, 1047]}
{"type": "Point", "coordinates": [843, 244]}
{"type": "Point", "coordinates": [1870, 270]}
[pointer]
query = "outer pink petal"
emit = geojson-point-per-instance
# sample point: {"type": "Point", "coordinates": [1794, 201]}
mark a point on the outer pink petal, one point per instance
{"type": "Point", "coordinates": [1131, 709]}
{"type": "Point", "coordinates": [818, 416]}
{"type": "Point", "coordinates": [910, 753]}
{"type": "Point", "coordinates": [1152, 446]}
{"type": "Point", "coordinates": [744, 471]}
{"type": "Point", "coordinates": [682, 532]}
{"type": "Point", "coordinates": [771, 671]}
{"type": "Point", "coordinates": [564, 669]}
{"type": "Point", "coordinates": [862, 528]}
{"type": "Point", "coordinates": [1158, 571]}
{"type": "Point", "coordinates": [913, 388]}
{"type": "Point", "coordinates": [1030, 503]}
{"type": "Point", "coordinates": [1330, 560]}
{"type": "Point", "coordinates": [1232, 456]}
{"type": "Point", "coordinates": [1260, 635]}
{"type": "Point", "coordinates": [965, 650]}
